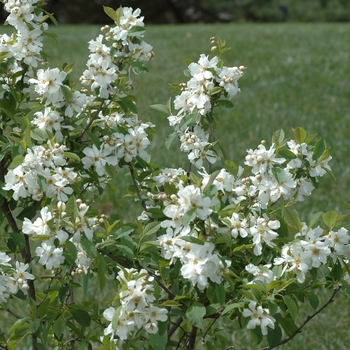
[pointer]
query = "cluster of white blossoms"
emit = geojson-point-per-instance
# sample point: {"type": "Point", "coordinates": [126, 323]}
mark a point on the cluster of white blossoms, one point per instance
{"type": "Point", "coordinates": [276, 177]}
{"type": "Point", "coordinates": [200, 263]}
{"type": "Point", "coordinates": [127, 139]}
{"type": "Point", "coordinates": [311, 249]}
{"type": "Point", "coordinates": [136, 308]}
{"type": "Point", "coordinates": [12, 278]}
{"type": "Point", "coordinates": [108, 62]}
{"type": "Point", "coordinates": [26, 45]}
{"type": "Point", "coordinates": [57, 224]}
{"type": "Point", "coordinates": [43, 172]}
{"type": "Point", "coordinates": [208, 81]}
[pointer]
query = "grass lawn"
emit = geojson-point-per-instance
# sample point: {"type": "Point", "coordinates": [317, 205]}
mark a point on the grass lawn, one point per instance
{"type": "Point", "coordinates": [297, 75]}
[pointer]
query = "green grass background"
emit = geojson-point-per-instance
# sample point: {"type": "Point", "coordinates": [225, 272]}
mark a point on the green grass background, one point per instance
{"type": "Point", "coordinates": [297, 75]}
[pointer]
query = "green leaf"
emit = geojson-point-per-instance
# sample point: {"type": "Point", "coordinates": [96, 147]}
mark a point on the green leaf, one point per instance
{"type": "Point", "coordinates": [126, 251]}
{"type": "Point", "coordinates": [169, 140]}
{"type": "Point", "coordinates": [161, 108]}
{"type": "Point", "coordinates": [292, 219]}
{"type": "Point", "coordinates": [72, 208]}
{"type": "Point", "coordinates": [274, 336]}
{"type": "Point", "coordinates": [159, 340]}
{"type": "Point", "coordinates": [136, 30]}
{"type": "Point", "coordinates": [170, 303]}
{"type": "Point", "coordinates": [101, 271]}
{"type": "Point", "coordinates": [71, 155]}
{"type": "Point", "coordinates": [330, 218]}
{"type": "Point", "coordinates": [278, 138]}
{"type": "Point", "coordinates": [192, 239]}
{"type": "Point", "coordinates": [81, 316]}
{"type": "Point", "coordinates": [288, 325]}
{"type": "Point", "coordinates": [150, 229]}
{"type": "Point", "coordinates": [314, 219]}
{"type": "Point", "coordinates": [225, 103]}
{"type": "Point", "coordinates": [299, 135]}
{"type": "Point", "coordinates": [127, 104]}
{"type": "Point", "coordinates": [292, 306]}
{"type": "Point", "coordinates": [232, 307]}
{"type": "Point", "coordinates": [113, 14]}
{"type": "Point", "coordinates": [278, 173]}
{"type": "Point", "coordinates": [38, 135]}
{"type": "Point", "coordinates": [220, 293]}
{"type": "Point", "coordinates": [287, 154]}
{"type": "Point", "coordinates": [67, 93]}
{"type": "Point", "coordinates": [89, 247]}
{"type": "Point", "coordinates": [18, 160]}
{"type": "Point", "coordinates": [59, 327]}
{"type": "Point", "coordinates": [195, 314]}
{"type": "Point", "coordinates": [139, 67]}
{"type": "Point", "coordinates": [189, 216]}
{"type": "Point", "coordinates": [319, 149]}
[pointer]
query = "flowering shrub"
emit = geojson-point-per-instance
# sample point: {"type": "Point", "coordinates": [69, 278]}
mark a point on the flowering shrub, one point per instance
{"type": "Point", "coordinates": [215, 241]}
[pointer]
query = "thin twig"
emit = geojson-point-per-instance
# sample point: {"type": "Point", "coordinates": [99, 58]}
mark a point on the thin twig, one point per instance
{"type": "Point", "coordinates": [173, 329]}
{"type": "Point", "coordinates": [309, 318]}
{"type": "Point", "coordinates": [137, 189]}
{"type": "Point", "coordinates": [81, 135]}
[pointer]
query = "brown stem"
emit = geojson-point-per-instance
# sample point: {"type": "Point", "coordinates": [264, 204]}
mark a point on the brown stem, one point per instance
{"type": "Point", "coordinates": [308, 319]}
{"type": "Point", "coordinates": [137, 189]}
{"type": "Point", "coordinates": [173, 329]}
{"type": "Point", "coordinates": [81, 135]}
{"type": "Point", "coordinates": [192, 338]}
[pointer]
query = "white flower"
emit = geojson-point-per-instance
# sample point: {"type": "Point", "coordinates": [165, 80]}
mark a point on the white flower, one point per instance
{"type": "Point", "coordinates": [40, 225]}
{"type": "Point", "coordinates": [19, 278]}
{"type": "Point", "coordinates": [50, 256]}
{"type": "Point", "coordinates": [259, 317]}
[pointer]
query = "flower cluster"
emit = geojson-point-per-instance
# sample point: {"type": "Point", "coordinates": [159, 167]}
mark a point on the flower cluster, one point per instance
{"type": "Point", "coordinates": [27, 44]}
{"type": "Point", "coordinates": [136, 308]}
{"type": "Point", "coordinates": [292, 177]}
{"type": "Point", "coordinates": [43, 172]}
{"type": "Point", "coordinates": [64, 224]}
{"type": "Point", "coordinates": [311, 249]}
{"type": "Point", "coordinates": [209, 79]}
{"type": "Point", "coordinates": [13, 279]}
{"type": "Point", "coordinates": [108, 63]}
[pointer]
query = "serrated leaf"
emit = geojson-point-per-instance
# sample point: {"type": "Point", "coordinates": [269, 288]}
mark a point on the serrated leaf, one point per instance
{"type": "Point", "coordinates": [287, 154]}
{"type": "Point", "coordinates": [195, 314]}
{"type": "Point", "coordinates": [126, 251]}
{"type": "Point", "coordinates": [299, 135]}
{"type": "Point", "coordinates": [292, 306]}
{"type": "Point", "coordinates": [330, 218]}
